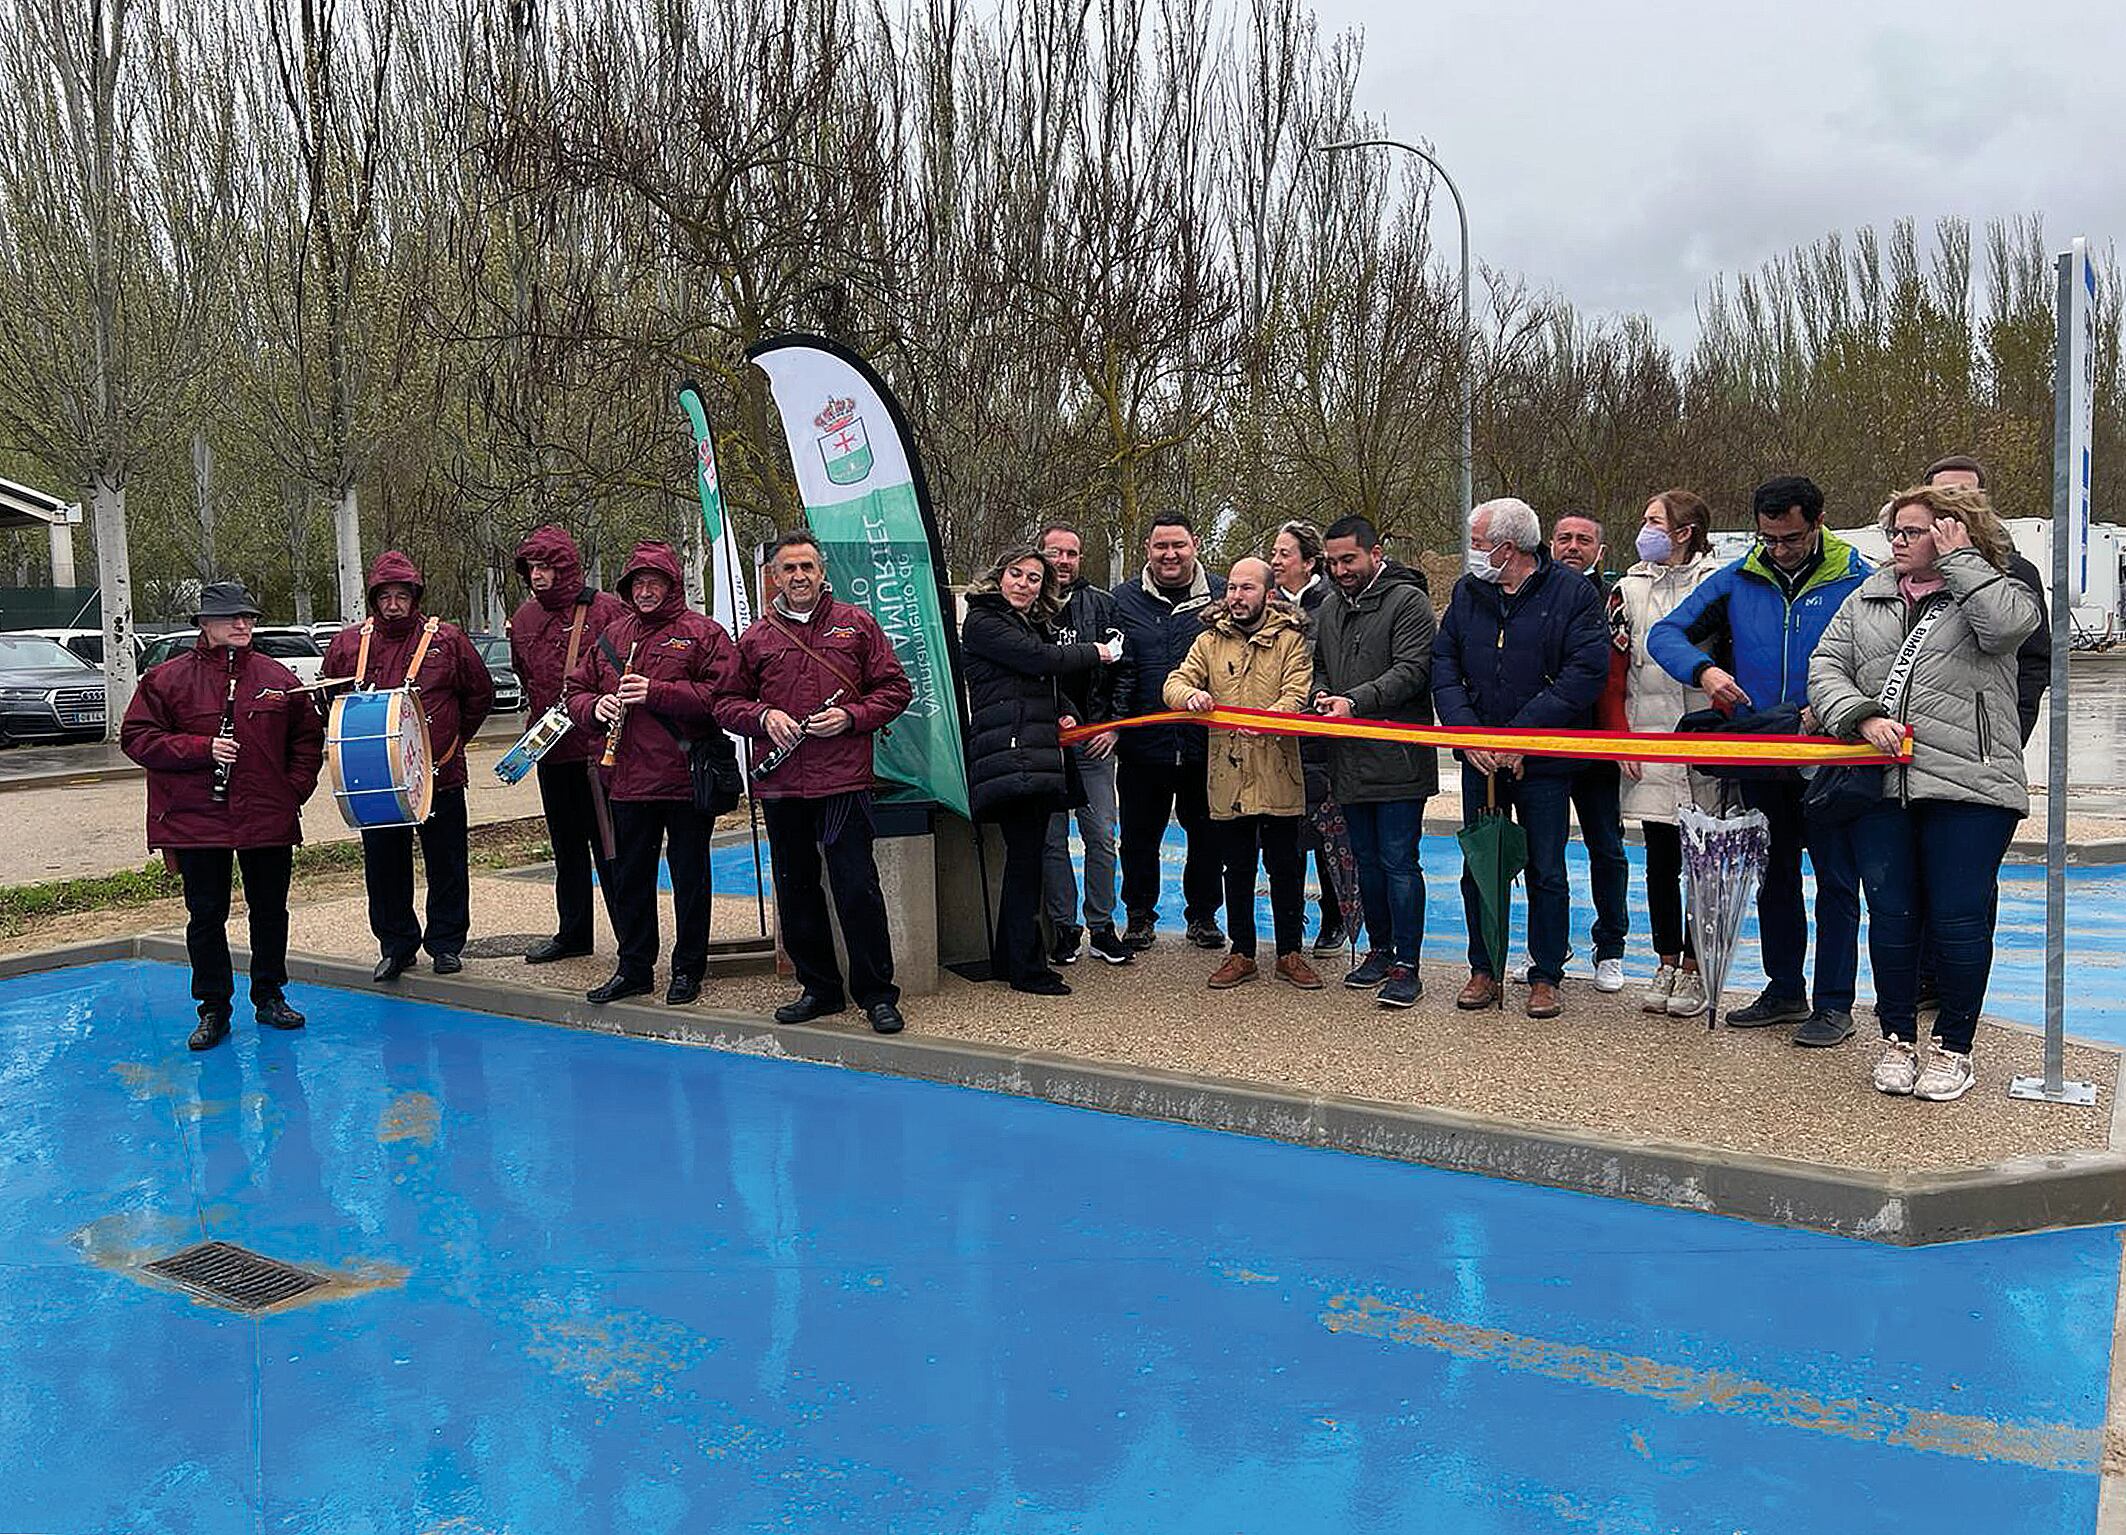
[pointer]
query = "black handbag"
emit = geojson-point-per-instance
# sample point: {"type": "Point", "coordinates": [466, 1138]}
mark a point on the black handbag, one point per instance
{"type": "Point", "coordinates": [1779, 720]}
{"type": "Point", "coordinates": [1842, 792]}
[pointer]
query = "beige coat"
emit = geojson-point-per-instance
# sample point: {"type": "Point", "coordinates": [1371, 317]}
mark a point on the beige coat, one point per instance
{"type": "Point", "coordinates": [1269, 669]}
{"type": "Point", "coordinates": [1653, 700]}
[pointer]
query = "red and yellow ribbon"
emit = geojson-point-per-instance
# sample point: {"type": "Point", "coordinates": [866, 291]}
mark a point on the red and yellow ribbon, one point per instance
{"type": "Point", "coordinates": [1700, 748]}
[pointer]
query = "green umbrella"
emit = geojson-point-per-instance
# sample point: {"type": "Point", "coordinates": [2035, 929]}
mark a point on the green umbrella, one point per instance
{"type": "Point", "coordinates": [1494, 850]}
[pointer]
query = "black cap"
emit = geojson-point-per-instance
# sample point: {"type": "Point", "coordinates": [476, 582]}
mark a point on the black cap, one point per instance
{"type": "Point", "coordinates": [226, 599]}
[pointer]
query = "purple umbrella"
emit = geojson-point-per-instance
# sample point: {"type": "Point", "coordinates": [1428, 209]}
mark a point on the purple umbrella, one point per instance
{"type": "Point", "coordinates": [1328, 819]}
{"type": "Point", "coordinates": [1723, 860]}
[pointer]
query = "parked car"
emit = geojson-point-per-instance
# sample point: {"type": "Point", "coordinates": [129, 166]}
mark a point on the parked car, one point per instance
{"type": "Point", "coordinates": [47, 693]}
{"type": "Point", "coordinates": [292, 647]}
{"type": "Point", "coordinates": [87, 644]}
{"type": "Point", "coordinates": [494, 650]}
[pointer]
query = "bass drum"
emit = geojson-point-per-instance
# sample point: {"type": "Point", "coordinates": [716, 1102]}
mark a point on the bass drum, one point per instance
{"type": "Point", "coordinates": [377, 746]}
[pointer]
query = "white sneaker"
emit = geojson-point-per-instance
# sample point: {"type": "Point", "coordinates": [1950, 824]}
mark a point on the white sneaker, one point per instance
{"type": "Point", "coordinates": [1688, 999]}
{"type": "Point", "coordinates": [1898, 1070]}
{"type": "Point", "coordinates": [1655, 998]}
{"type": "Point", "coordinates": [1609, 975]}
{"type": "Point", "coordinates": [1948, 1077]}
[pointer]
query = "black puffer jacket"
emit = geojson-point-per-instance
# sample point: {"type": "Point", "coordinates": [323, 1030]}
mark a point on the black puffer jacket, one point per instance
{"type": "Point", "coordinates": [1158, 628]}
{"type": "Point", "coordinates": [1014, 753]}
{"type": "Point", "coordinates": [1313, 750]}
{"type": "Point", "coordinates": [1088, 613]}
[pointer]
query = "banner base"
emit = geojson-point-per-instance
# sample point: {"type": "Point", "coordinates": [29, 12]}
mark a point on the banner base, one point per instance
{"type": "Point", "coordinates": [2081, 1094]}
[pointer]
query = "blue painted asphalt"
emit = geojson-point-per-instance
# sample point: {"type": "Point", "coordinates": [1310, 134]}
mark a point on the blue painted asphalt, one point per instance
{"type": "Point", "coordinates": [2096, 929]}
{"type": "Point", "coordinates": [620, 1285]}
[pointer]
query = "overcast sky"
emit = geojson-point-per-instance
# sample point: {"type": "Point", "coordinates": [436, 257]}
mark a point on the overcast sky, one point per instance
{"type": "Point", "coordinates": [1623, 151]}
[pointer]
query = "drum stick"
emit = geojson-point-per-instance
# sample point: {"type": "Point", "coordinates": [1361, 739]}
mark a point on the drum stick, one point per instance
{"type": "Point", "coordinates": [612, 737]}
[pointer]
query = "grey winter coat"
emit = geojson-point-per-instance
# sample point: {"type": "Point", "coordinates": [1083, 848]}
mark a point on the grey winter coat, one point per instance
{"type": "Point", "coordinates": [1961, 702]}
{"type": "Point", "coordinates": [1376, 650]}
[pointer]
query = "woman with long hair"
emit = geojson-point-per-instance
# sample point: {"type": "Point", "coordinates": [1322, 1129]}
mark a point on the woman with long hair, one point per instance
{"type": "Point", "coordinates": [1297, 568]}
{"type": "Point", "coordinates": [1018, 773]}
{"type": "Point", "coordinates": [1927, 645]}
{"type": "Point", "coordinates": [1675, 554]}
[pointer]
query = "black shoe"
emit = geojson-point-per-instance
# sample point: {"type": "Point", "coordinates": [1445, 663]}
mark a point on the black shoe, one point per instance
{"type": "Point", "coordinates": [1046, 983]}
{"type": "Point", "coordinates": [1205, 935]}
{"type": "Point", "coordinates": [1329, 939]}
{"type": "Point", "coordinates": [1371, 971]}
{"type": "Point", "coordinates": [621, 985]}
{"type": "Point", "coordinates": [1825, 1027]}
{"type": "Point", "coordinates": [275, 1013]}
{"type": "Point", "coordinates": [807, 1007]}
{"type": "Point", "coordinates": [684, 989]}
{"type": "Point", "coordinates": [213, 1029]}
{"type": "Point", "coordinates": [1114, 950]}
{"type": "Point", "coordinates": [1143, 932]}
{"type": "Point", "coordinates": [391, 967]}
{"type": "Point", "coordinates": [448, 964]}
{"type": "Point", "coordinates": [1768, 1009]}
{"type": "Point", "coordinates": [549, 951]}
{"type": "Point", "coordinates": [885, 1018]}
{"type": "Point", "coordinates": [1064, 951]}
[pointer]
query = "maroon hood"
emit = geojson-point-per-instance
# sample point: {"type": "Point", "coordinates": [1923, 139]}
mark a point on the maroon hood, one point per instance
{"type": "Point", "coordinates": [393, 566]}
{"type": "Point", "coordinates": [552, 546]}
{"type": "Point", "coordinates": [653, 556]}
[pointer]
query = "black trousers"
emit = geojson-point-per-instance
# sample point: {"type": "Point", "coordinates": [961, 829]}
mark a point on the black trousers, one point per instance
{"type": "Point", "coordinates": [1148, 792]}
{"type": "Point", "coordinates": [387, 871]}
{"type": "Point", "coordinates": [643, 829]}
{"type": "Point", "coordinates": [1017, 950]}
{"type": "Point", "coordinates": [572, 827]}
{"type": "Point", "coordinates": [797, 829]}
{"type": "Point", "coordinates": [205, 872]}
{"type": "Point", "coordinates": [1664, 890]}
{"type": "Point", "coordinates": [1276, 839]}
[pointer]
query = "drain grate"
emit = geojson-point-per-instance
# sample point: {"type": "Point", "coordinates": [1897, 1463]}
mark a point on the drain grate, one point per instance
{"type": "Point", "coordinates": [235, 1276]}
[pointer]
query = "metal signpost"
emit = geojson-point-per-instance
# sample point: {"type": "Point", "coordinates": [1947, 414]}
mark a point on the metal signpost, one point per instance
{"type": "Point", "coordinates": [2073, 395]}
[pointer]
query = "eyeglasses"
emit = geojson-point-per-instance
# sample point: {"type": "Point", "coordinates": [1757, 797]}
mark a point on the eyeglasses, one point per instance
{"type": "Point", "coordinates": [1905, 535]}
{"type": "Point", "coordinates": [1786, 540]}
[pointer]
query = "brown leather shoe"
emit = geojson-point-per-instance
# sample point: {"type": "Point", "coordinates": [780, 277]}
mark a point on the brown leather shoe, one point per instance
{"type": "Point", "coordinates": [1482, 991]}
{"type": "Point", "coordinates": [1294, 968]}
{"type": "Point", "coordinates": [1543, 1000]}
{"type": "Point", "coordinates": [1237, 969]}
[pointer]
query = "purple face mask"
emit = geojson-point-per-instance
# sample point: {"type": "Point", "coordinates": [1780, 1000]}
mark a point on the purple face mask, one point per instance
{"type": "Point", "coordinates": [1655, 546]}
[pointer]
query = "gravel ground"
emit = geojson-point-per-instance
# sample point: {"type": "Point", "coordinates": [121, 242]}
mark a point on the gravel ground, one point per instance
{"type": "Point", "coordinates": [1604, 1067]}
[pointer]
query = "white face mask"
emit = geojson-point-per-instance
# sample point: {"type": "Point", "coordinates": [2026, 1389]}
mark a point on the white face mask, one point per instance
{"type": "Point", "coordinates": [1482, 566]}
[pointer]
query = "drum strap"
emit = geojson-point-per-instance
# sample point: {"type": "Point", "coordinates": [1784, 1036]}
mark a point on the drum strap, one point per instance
{"type": "Point", "coordinates": [361, 659]}
{"type": "Point", "coordinates": [420, 652]}
{"type": "Point", "coordinates": [575, 638]}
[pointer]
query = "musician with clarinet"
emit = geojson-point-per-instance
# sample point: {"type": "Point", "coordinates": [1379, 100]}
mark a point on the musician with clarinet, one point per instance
{"type": "Point", "coordinates": [398, 645]}
{"type": "Point", "coordinates": [548, 635]}
{"type": "Point", "coordinates": [647, 687]}
{"type": "Point", "coordinates": [816, 681]}
{"type": "Point", "coordinates": [232, 749]}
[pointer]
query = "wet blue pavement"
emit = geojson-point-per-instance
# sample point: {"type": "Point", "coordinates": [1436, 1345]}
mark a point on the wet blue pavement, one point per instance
{"type": "Point", "coordinates": [603, 1284]}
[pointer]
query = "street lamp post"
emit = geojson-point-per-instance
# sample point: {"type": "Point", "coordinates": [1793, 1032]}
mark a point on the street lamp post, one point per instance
{"type": "Point", "coordinates": [1468, 334]}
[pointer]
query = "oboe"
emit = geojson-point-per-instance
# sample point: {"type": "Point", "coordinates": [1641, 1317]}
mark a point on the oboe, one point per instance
{"type": "Point", "coordinates": [224, 771]}
{"type": "Point", "coordinates": [612, 737]}
{"type": "Point", "coordinates": [782, 754]}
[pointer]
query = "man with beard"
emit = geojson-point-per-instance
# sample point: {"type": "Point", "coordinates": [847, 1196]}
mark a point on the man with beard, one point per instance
{"type": "Point", "coordinates": [398, 645]}
{"type": "Point", "coordinates": [548, 635]}
{"type": "Point", "coordinates": [1373, 659]}
{"type": "Point", "coordinates": [649, 686]}
{"type": "Point", "coordinates": [1162, 766]}
{"type": "Point", "coordinates": [231, 751]}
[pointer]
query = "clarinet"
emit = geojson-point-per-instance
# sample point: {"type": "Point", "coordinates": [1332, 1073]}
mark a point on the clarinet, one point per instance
{"type": "Point", "coordinates": [612, 737]}
{"type": "Point", "coordinates": [224, 771]}
{"type": "Point", "coordinates": [782, 754]}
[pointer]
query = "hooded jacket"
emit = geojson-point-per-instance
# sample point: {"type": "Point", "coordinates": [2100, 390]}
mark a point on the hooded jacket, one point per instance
{"type": "Point", "coordinates": [539, 629]}
{"type": "Point", "coordinates": [1014, 705]}
{"type": "Point", "coordinates": [1376, 650]}
{"type": "Point", "coordinates": [795, 666]}
{"type": "Point", "coordinates": [1158, 629]}
{"type": "Point", "coordinates": [1536, 658]}
{"type": "Point", "coordinates": [688, 659]}
{"type": "Point", "coordinates": [1961, 699]}
{"type": "Point", "coordinates": [457, 690]}
{"type": "Point", "coordinates": [1269, 669]}
{"type": "Point", "coordinates": [170, 728]}
{"type": "Point", "coordinates": [1740, 619]}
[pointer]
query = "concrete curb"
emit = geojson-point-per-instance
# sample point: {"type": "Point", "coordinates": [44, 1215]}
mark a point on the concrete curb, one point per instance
{"type": "Point", "coordinates": [2080, 1188]}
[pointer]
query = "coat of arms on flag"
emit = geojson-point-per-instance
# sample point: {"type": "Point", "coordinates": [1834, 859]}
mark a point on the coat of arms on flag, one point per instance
{"type": "Point", "coordinates": [843, 447]}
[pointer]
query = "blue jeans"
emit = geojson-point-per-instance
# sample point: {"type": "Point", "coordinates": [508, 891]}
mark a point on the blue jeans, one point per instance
{"type": "Point", "coordinates": [1096, 824]}
{"type": "Point", "coordinates": [1932, 863]}
{"type": "Point", "coordinates": [1782, 923]}
{"type": "Point", "coordinates": [1597, 799]}
{"type": "Point", "coordinates": [1539, 802]}
{"type": "Point", "coordinates": [1391, 881]}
